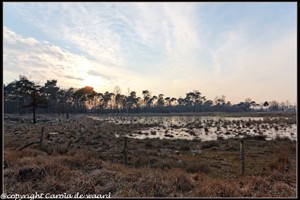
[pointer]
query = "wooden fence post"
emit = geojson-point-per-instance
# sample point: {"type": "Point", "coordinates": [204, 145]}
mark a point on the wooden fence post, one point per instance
{"type": "Point", "coordinates": [242, 155]}
{"type": "Point", "coordinates": [42, 136]}
{"type": "Point", "coordinates": [125, 150]}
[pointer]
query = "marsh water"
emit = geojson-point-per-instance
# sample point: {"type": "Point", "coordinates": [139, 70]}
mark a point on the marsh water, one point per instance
{"type": "Point", "coordinates": [205, 127]}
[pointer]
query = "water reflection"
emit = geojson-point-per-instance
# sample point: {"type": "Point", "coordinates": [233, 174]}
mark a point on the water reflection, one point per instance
{"type": "Point", "coordinates": [204, 127]}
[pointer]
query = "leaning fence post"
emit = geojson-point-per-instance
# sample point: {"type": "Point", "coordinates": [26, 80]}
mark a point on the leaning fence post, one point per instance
{"type": "Point", "coordinates": [42, 136]}
{"type": "Point", "coordinates": [242, 155]}
{"type": "Point", "coordinates": [125, 150]}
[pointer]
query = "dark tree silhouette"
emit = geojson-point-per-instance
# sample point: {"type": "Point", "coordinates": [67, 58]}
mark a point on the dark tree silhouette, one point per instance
{"type": "Point", "coordinates": [64, 100]}
{"type": "Point", "coordinates": [160, 100]}
{"type": "Point", "coordinates": [50, 91]}
{"type": "Point", "coordinates": [23, 93]}
{"type": "Point", "coordinates": [28, 88]}
{"type": "Point", "coordinates": [266, 104]}
{"type": "Point", "coordinates": [84, 96]}
{"type": "Point", "coordinates": [147, 97]}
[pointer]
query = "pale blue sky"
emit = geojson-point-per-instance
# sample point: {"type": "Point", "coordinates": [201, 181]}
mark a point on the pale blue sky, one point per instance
{"type": "Point", "coordinates": [240, 50]}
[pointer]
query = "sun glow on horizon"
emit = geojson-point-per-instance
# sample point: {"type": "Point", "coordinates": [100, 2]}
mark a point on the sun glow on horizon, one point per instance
{"type": "Point", "coordinates": [168, 49]}
{"type": "Point", "coordinates": [92, 81]}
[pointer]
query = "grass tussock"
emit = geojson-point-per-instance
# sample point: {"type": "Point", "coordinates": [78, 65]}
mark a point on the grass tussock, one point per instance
{"type": "Point", "coordinates": [58, 175]}
{"type": "Point", "coordinates": [194, 167]}
{"type": "Point", "coordinates": [156, 168]}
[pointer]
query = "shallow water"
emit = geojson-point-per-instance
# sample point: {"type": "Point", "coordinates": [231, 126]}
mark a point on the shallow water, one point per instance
{"type": "Point", "coordinates": [203, 127]}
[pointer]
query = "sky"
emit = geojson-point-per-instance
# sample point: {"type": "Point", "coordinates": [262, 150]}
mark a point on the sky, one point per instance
{"type": "Point", "coordinates": [239, 50]}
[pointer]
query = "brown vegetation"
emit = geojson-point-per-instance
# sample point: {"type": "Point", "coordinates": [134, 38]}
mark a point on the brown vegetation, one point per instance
{"type": "Point", "coordinates": [83, 155]}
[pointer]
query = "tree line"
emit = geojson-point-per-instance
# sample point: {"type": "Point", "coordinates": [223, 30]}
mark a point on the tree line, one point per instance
{"type": "Point", "coordinates": [24, 96]}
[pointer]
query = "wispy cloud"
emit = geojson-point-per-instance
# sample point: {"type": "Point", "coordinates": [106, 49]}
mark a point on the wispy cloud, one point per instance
{"type": "Point", "coordinates": [75, 78]}
{"type": "Point", "coordinates": [171, 48]}
{"type": "Point", "coordinates": [27, 55]}
{"type": "Point", "coordinates": [42, 61]}
{"type": "Point", "coordinates": [96, 73]}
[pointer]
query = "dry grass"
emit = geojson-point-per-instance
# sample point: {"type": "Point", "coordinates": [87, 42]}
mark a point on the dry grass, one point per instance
{"type": "Point", "coordinates": [59, 174]}
{"type": "Point", "coordinates": [156, 168]}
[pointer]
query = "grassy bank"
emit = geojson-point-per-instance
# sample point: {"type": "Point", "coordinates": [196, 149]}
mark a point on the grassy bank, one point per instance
{"type": "Point", "coordinates": [83, 155]}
